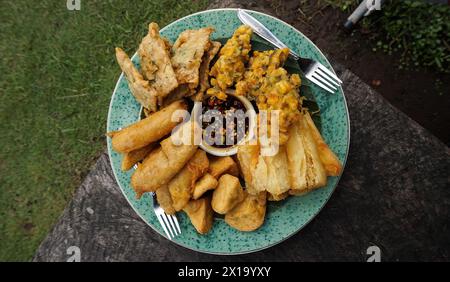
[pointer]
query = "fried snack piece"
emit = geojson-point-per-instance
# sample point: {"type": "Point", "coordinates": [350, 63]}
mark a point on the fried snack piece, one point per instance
{"type": "Point", "coordinates": [227, 195]}
{"type": "Point", "coordinates": [200, 213]}
{"type": "Point", "coordinates": [230, 66]}
{"type": "Point", "coordinates": [305, 167]}
{"type": "Point", "coordinates": [249, 214]}
{"type": "Point", "coordinates": [131, 158]}
{"type": "Point", "coordinates": [147, 130]}
{"type": "Point", "coordinates": [205, 183]}
{"type": "Point", "coordinates": [141, 89]}
{"type": "Point", "coordinates": [275, 198]}
{"type": "Point", "coordinates": [329, 160]}
{"type": "Point", "coordinates": [277, 173]}
{"type": "Point", "coordinates": [164, 199]}
{"type": "Point", "coordinates": [204, 70]}
{"type": "Point", "coordinates": [261, 63]}
{"type": "Point", "coordinates": [181, 186]}
{"type": "Point", "coordinates": [156, 67]}
{"type": "Point", "coordinates": [187, 52]}
{"type": "Point", "coordinates": [280, 91]}
{"type": "Point", "coordinates": [178, 93]}
{"type": "Point", "coordinates": [220, 165]}
{"type": "Point", "coordinates": [247, 156]}
{"type": "Point", "coordinates": [163, 163]}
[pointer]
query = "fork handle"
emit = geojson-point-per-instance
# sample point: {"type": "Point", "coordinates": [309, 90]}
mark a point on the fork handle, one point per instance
{"type": "Point", "coordinates": [262, 31]}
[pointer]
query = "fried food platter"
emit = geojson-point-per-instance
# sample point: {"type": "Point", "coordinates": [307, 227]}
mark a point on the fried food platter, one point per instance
{"type": "Point", "coordinates": [282, 212]}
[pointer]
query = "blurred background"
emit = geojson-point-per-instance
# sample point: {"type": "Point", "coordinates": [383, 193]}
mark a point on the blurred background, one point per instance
{"type": "Point", "coordinates": [58, 72]}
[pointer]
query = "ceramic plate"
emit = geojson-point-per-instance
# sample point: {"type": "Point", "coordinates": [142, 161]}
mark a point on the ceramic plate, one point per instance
{"type": "Point", "coordinates": [284, 218]}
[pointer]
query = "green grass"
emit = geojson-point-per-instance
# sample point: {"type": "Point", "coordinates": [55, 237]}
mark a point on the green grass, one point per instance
{"type": "Point", "coordinates": [58, 71]}
{"type": "Point", "coordinates": [416, 31]}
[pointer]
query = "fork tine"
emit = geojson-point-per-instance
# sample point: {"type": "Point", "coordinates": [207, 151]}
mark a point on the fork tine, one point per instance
{"type": "Point", "coordinates": [175, 220]}
{"type": "Point", "coordinates": [330, 73]}
{"type": "Point", "coordinates": [314, 80]}
{"type": "Point", "coordinates": [169, 218]}
{"type": "Point", "coordinates": [324, 81]}
{"type": "Point", "coordinates": [163, 226]}
{"type": "Point", "coordinates": [333, 82]}
{"type": "Point", "coordinates": [164, 216]}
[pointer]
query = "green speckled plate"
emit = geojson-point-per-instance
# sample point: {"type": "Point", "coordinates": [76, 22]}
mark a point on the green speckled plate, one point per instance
{"type": "Point", "coordinates": [283, 219]}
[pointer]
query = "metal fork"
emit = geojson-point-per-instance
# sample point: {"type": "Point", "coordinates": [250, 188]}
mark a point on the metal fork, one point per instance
{"type": "Point", "coordinates": [168, 222]}
{"type": "Point", "coordinates": [313, 70]}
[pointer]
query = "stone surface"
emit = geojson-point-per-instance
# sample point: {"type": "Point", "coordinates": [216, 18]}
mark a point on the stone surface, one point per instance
{"type": "Point", "coordinates": [394, 194]}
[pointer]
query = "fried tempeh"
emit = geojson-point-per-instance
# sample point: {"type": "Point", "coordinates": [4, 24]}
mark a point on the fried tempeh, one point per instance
{"type": "Point", "coordinates": [204, 70]}
{"type": "Point", "coordinates": [147, 130]}
{"type": "Point", "coordinates": [187, 53]}
{"type": "Point", "coordinates": [131, 158]}
{"type": "Point", "coordinates": [329, 160]}
{"type": "Point", "coordinates": [141, 89]}
{"type": "Point", "coordinates": [163, 163]}
{"type": "Point", "coordinates": [205, 183]}
{"type": "Point", "coordinates": [178, 93]}
{"type": "Point", "coordinates": [156, 67]}
{"type": "Point", "coordinates": [200, 213]}
{"type": "Point", "coordinates": [305, 167]}
{"type": "Point", "coordinates": [181, 186]}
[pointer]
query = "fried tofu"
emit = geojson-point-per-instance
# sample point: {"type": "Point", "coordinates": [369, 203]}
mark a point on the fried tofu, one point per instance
{"type": "Point", "coordinates": [205, 183]}
{"type": "Point", "coordinates": [227, 195]}
{"type": "Point", "coordinates": [200, 213]}
{"type": "Point", "coordinates": [156, 66]}
{"type": "Point", "coordinates": [249, 214]}
{"type": "Point", "coordinates": [221, 165]}
{"type": "Point", "coordinates": [187, 53]}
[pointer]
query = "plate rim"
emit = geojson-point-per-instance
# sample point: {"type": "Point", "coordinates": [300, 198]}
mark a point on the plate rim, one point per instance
{"type": "Point", "coordinates": [312, 217]}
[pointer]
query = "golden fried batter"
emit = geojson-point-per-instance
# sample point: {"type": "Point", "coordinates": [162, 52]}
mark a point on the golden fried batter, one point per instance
{"type": "Point", "coordinates": [272, 87]}
{"type": "Point", "coordinates": [227, 195]}
{"type": "Point", "coordinates": [249, 214]}
{"type": "Point", "coordinates": [141, 89]}
{"type": "Point", "coordinates": [187, 54]}
{"type": "Point", "coordinates": [230, 66]}
{"type": "Point", "coordinates": [155, 62]}
{"type": "Point", "coordinates": [205, 183]}
{"type": "Point", "coordinates": [306, 170]}
{"type": "Point", "coordinates": [181, 186]}
{"type": "Point", "coordinates": [200, 213]}
{"type": "Point", "coordinates": [261, 63]}
{"type": "Point", "coordinates": [165, 200]}
{"type": "Point", "coordinates": [131, 158]}
{"type": "Point", "coordinates": [204, 70]}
